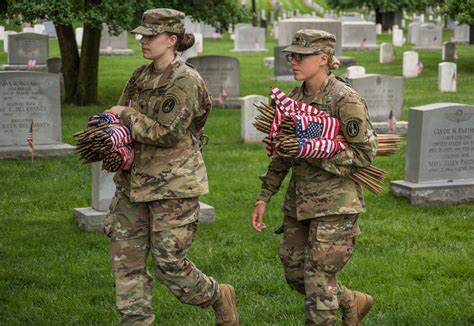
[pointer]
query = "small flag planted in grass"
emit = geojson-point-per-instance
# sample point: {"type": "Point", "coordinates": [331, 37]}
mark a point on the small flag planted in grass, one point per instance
{"type": "Point", "coordinates": [30, 141]}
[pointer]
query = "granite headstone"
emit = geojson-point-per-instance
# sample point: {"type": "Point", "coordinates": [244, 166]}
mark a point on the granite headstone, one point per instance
{"type": "Point", "coordinates": [439, 162]}
{"type": "Point", "coordinates": [429, 37]}
{"type": "Point", "coordinates": [114, 45]}
{"type": "Point", "coordinates": [23, 48]}
{"type": "Point", "coordinates": [449, 52]}
{"type": "Point", "coordinates": [282, 68]}
{"type": "Point", "coordinates": [359, 35]}
{"type": "Point", "coordinates": [461, 33]}
{"type": "Point", "coordinates": [25, 98]}
{"type": "Point", "coordinates": [249, 39]}
{"type": "Point", "coordinates": [384, 94]}
{"type": "Point", "coordinates": [222, 77]}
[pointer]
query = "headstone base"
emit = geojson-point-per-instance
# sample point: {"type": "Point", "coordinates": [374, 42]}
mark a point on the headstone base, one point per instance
{"type": "Point", "coordinates": [346, 61]}
{"type": "Point", "coordinates": [360, 48]}
{"type": "Point", "coordinates": [42, 68]}
{"type": "Point", "coordinates": [249, 50]}
{"type": "Point", "coordinates": [21, 152]}
{"type": "Point", "coordinates": [230, 102]}
{"type": "Point", "coordinates": [117, 52]}
{"type": "Point", "coordinates": [434, 193]}
{"type": "Point", "coordinates": [427, 48]}
{"type": "Point", "coordinates": [288, 78]}
{"type": "Point", "coordinates": [91, 220]}
{"type": "Point", "coordinates": [401, 128]}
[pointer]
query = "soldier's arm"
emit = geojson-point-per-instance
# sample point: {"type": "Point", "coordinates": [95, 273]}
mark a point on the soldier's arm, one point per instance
{"type": "Point", "coordinates": [162, 133]}
{"type": "Point", "coordinates": [272, 179]}
{"type": "Point", "coordinates": [360, 139]}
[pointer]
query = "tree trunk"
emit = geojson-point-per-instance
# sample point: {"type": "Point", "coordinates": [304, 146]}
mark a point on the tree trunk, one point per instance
{"type": "Point", "coordinates": [70, 60]}
{"type": "Point", "coordinates": [87, 82]}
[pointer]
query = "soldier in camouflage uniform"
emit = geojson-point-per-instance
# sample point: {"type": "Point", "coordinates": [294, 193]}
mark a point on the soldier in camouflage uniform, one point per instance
{"type": "Point", "coordinates": [322, 204]}
{"type": "Point", "coordinates": [165, 104]}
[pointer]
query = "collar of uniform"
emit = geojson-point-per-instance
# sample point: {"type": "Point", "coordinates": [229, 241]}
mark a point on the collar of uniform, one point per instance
{"type": "Point", "coordinates": [170, 70]}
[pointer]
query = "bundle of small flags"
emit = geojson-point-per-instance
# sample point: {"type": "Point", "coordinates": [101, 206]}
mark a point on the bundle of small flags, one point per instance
{"type": "Point", "coordinates": [105, 139]}
{"type": "Point", "coordinates": [299, 130]}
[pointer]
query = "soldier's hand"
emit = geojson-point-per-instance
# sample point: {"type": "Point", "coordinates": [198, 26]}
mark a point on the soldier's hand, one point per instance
{"type": "Point", "coordinates": [116, 110]}
{"type": "Point", "coordinates": [257, 216]}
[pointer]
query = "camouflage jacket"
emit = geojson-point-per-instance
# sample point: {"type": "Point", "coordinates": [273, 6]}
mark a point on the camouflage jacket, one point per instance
{"type": "Point", "coordinates": [166, 114]}
{"type": "Point", "coordinates": [320, 187]}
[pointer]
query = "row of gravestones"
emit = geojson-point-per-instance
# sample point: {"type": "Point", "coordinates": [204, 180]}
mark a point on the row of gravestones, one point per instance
{"type": "Point", "coordinates": [440, 149]}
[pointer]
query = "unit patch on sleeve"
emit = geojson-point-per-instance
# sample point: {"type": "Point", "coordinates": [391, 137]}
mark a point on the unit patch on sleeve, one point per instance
{"type": "Point", "coordinates": [168, 105]}
{"type": "Point", "coordinates": [352, 128]}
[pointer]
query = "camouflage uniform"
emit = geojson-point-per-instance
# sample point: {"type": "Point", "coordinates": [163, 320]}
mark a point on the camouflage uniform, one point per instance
{"type": "Point", "coordinates": [322, 204]}
{"type": "Point", "coordinates": [156, 205]}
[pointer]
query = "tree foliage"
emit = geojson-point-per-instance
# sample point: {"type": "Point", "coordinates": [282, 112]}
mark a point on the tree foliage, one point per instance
{"type": "Point", "coordinates": [461, 10]}
{"type": "Point", "coordinates": [81, 70]}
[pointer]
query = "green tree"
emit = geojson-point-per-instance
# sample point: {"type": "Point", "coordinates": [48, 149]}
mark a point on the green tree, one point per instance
{"type": "Point", "coordinates": [461, 10]}
{"type": "Point", "coordinates": [81, 69]}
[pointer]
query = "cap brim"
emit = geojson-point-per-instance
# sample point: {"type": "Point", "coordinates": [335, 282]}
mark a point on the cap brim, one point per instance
{"type": "Point", "coordinates": [299, 49]}
{"type": "Point", "coordinates": [143, 31]}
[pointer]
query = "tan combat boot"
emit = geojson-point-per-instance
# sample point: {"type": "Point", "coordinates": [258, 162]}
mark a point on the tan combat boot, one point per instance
{"type": "Point", "coordinates": [354, 305]}
{"type": "Point", "coordinates": [225, 308]}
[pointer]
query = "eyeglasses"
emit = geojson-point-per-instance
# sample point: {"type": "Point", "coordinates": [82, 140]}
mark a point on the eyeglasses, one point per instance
{"type": "Point", "coordinates": [298, 56]}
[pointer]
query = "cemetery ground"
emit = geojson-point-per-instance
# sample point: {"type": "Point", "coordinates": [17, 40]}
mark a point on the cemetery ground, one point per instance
{"type": "Point", "coordinates": [415, 261]}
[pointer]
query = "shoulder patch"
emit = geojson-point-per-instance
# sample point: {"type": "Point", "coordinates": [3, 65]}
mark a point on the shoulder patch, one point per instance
{"type": "Point", "coordinates": [352, 128]}
{"type": "Point", "coordinates": [168, 104]}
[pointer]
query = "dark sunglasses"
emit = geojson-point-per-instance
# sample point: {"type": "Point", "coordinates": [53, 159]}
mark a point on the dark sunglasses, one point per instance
{"type": "Point", "coordinates": [298, 56]}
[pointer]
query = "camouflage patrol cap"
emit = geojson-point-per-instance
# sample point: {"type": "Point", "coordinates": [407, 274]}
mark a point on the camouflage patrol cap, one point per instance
{"type": "Point", "coordinates": [155, 21]}
{"type": "Point", "coordinates": [308, 41]}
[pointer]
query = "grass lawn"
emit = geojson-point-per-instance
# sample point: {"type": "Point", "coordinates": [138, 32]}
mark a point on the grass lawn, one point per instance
{"type": "Point", "coordinates": [417, 262]}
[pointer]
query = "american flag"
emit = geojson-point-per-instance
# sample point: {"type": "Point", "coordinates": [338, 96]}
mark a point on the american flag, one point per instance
{"type": "Point", "coordinates": [126, 153]}
{"type": "Point", "coordinates": [319, 148]}
{"type": "Point", "coordinates": [29, 140]}
{"type": "Point", "coordinates": [419, 67]}
{"type": "Point", "coordinates": [32, 64]}
{"type": "Point", "coordinates": [316, 127]}
{"type": "Point", "coordinates": [120, 136]}
{"type": "Point", "coordinates": [286, 107]}
{"type": "Point", "coordinates": [391, 121]}
{"type": "Point", "coordinates": [456, 55]}
{"type": "Point", "coordinates": [222, 96]}
{"type": "Point", "coordinates": [108, 49]}
{"type": "Point", "coordinates": [453, 79]}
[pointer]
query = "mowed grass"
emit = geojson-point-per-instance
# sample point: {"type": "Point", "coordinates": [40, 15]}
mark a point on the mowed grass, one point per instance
{"type": "Point", "coordinates": [417, 262]}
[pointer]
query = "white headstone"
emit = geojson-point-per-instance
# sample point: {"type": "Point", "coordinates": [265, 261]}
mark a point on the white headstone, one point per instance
{"type": "Point", "coordinates": [410, 64]}
{"type": "Point", "coordinates": [5, 40]}
{"type": "Point", "coordinates": [447, 76]}
{"type": "Point", "coordinates": [248, 112]}
{"type": "Point", "coordinates": [199, 40]}
{"type": "Point", "coordinates": [355, 71]}
{"type": "Point", "coordinates": [50, 29]}
{"type": "Point", "coordinates": [378, 29]}
{"type": "Point", "coordinates": [394, 27]}
{"type": "Point", "coordinates": [79, 33]}
{"type": "Point", "coordinates": [103, 187]}
{"type": "Point", "coordinates": [387, 54]}
{"type": "Point", "coordinates": [28, 30]}
{"type": "Point", "coordinates": [2, 31]}
{"type": "Point", "coordinates": [39, 28]}
{"type": "Point", "coordinates": [397, 37]}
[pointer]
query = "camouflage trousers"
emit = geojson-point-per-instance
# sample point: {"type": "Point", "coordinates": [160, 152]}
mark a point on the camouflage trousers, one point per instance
{"type": "Point", "coordinates": [312, 252]}
{"type": "Point", "coordinates": [166, 228]}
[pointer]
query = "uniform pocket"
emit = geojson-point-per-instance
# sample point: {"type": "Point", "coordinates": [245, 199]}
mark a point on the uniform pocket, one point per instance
{"type": "Point", "coordinates": [109, 220]}
{"type": "Point", "coordinates": [344, 227]}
